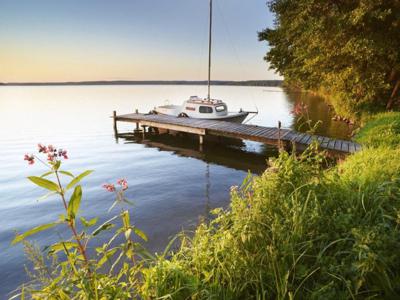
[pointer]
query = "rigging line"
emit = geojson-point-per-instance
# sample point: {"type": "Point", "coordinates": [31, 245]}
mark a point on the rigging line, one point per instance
{"type": "Point", "coordinates": [229, 38]}
{"type": "Point", "coordinates": [202, 55]}
{"type": "Point", "coordinates": [235, 52]}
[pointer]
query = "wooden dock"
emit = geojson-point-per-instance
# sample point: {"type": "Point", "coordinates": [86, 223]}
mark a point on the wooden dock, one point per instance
{"type": "Point", "coordinates": [266, 135]}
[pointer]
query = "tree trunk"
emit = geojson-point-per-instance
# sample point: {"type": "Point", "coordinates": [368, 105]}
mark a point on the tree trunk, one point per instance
{"type": "Point", "coordinates": [393, 95]}
{"type": "Point", "coordinates": [392, 75]}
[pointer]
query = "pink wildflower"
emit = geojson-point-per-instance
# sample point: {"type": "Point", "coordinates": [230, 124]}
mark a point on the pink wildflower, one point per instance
{"type": "Point", "coordinates": [109, 187]}
{"type": "Point", "coordinates": [30, 158]}
{"type": "Point", "coordinates": [299, 109]}
{"type": "Point", "coordinates": [42, 148]}
{"type": "Point", "coordinates": [51, 156]}
{"type": "Point", "coordinates": [63, 153]}
{"type": "Point", "coordinates": [123, 183]}
{"type": "Point", "coordinates": [51, 148]}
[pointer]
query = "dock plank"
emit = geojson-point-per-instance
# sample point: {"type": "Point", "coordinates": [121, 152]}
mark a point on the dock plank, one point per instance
{"type": "Point", "coordinates": [306, 139]}
{"type": "Point", "coordinates": [338, 145]}
{"type": "Point", "coordinates": [268, 135]}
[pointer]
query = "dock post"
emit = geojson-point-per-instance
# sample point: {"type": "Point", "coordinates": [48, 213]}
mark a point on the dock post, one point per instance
{"type": "Point", "coordinates": [201, 142]}
{"type": "Point", "coordinates": [115, 123]}
{"type": "Point", "coordinates": [144, 131]}
{"type": "Point", "coordinates": [137, 129]}
{"type": "Point", "coordinates": [137, 124]}
{"type": "Point", "coordinates": [279, 136]}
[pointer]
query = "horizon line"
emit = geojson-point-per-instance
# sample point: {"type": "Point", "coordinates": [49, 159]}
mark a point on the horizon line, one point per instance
{"type": "Point", "coordinates": [274, 82]}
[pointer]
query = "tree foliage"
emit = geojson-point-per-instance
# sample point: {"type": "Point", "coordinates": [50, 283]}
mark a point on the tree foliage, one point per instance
{"type": "Point", "coordinates": [347, 49]}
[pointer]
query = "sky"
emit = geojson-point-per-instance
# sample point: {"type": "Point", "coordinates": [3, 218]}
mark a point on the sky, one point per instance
{"type": "Point", "coordinates": [78, 40]}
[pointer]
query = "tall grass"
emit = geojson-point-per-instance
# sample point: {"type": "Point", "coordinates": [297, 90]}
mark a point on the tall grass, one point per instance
{"type": "Point", "coordinates": [301, 230]}
{"type": "Point", "coordinates": [296, 232]}
{"type": "Point", "coordinates": [381, 129]}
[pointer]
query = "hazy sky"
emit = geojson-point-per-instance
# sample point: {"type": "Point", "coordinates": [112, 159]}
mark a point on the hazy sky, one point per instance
{"type": "Point", "coordinates": [62, 40]}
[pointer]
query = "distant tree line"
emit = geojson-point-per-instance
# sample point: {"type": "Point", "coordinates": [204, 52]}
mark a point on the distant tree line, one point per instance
{"type": "Point", "coordinates": [271, 83]}
{"type": "Point", "coordinates": [346, 49]}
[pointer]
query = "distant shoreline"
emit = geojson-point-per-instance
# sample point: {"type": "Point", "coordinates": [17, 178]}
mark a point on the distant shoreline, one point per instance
{"type": "Point", "coordinates": [270, 83]}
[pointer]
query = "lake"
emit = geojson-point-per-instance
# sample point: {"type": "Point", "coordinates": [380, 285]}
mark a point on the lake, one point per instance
{"type": "Point", "coordinates": [172, 184]}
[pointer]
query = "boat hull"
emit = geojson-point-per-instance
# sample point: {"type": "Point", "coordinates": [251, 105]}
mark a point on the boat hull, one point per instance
{"type": "Point", "coordinates": [234, 117]}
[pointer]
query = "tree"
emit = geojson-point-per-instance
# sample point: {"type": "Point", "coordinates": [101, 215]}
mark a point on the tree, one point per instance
{"type": "Point", "coordinates": [347, 49]}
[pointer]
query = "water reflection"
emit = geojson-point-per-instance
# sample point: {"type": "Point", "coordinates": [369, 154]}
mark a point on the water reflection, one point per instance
{"type": "Point", "coordinates": [231, 153]}
{"type": "Point", "coordinates": [319, 110]}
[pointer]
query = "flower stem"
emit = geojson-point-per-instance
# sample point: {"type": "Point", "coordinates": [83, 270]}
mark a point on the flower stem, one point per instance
{"type": "Point", "coordinates": [71, 225]}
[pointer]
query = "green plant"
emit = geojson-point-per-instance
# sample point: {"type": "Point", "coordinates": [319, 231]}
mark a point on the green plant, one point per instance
{"type": "Point", "coordinates": [301, 230]}
{"type": "Point", "coordinates": [111, 273]}
{"type": "Point", "coordinates": [298, 231]}
{"type": "Point", "coordinates": [381, 130]}
{"type": "Point", "coordinates": [300, 110]}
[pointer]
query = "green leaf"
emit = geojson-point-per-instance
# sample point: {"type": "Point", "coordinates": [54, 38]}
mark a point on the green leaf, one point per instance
{"type": "Point", "coordinates": [128, 233]}
{"type": "Point", "coordinates": [102, 228]}
{"type": "Point", "coordinates": [47, 195]}
{"type": "Point", "coordinates": [78, 178]}
{"type": "Point", "coordinates": [56, 165]}
{"type": "Point", "coordinates": [67, 173]}
{"type": "Point", "coordinates": [63, 218]}
{"type": "Point", "coordinates": [62, 295]}
{"type": "Point", "coordinates": [61, 246]}
{"type": "Point", "coordinates": [140, 233]}
{"type": "Point", "coordinates": [21, 237]}
{"type": "Point", "coordinates": [89, 223]}
{"type": "Point", "coordinates": [106, 256]}
{"type": "Point", "coordinates": [44, 183]}
{"type": "Point", "coordinates": [47, 174]}
{"type": "Point", "coordinates": [74, 202]}
{"type": "Point", "coordinates": [126, 219]}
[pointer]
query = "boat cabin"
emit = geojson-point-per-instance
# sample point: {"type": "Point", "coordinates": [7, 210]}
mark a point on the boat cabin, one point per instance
{"type": "Point", "coordinates": [198, 107]}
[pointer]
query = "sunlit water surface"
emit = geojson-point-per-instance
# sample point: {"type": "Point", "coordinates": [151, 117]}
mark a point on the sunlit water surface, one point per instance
{"type": "Point", "coordinates": [171, 183]}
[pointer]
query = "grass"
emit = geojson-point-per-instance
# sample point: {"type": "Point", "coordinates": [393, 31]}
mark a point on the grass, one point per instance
{"type": "Point", "coordinates": [299, 231]}
{"type": "Point", "coordinates": [381, 129]}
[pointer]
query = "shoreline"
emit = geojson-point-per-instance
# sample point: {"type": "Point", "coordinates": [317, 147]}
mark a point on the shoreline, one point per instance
{"type": "Point", "coordinates": [262, 83]}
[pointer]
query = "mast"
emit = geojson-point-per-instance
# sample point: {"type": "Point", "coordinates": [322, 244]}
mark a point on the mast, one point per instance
{"type": "Point", "coordinates": [209, 53]}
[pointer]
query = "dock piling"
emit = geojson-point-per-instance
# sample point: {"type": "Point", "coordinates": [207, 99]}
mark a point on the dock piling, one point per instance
{"type": "Point", "coordinates": [137, 123]}
{"type": "Point", "coordinates": [279, 135]}
{"type": "Point", "coordinates": [115, 123]}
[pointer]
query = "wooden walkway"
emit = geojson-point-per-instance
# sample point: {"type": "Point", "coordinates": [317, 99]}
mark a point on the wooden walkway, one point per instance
{"type": "Point", "coordinates": [267, 135]}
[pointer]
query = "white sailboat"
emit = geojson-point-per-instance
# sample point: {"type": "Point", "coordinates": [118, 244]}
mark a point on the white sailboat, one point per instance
{"type": "Point", "coordinates": [204, 108]}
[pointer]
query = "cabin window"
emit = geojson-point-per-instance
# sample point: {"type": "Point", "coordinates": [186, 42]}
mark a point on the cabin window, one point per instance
{"type": "Point", "coordinates": [220, 108]}
{"type": "Point", "coordinates": [190, 108]}
{"type": "Point", "coordinates": [205, 110]}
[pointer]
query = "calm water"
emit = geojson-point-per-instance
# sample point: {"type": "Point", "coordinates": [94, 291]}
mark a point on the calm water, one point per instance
{"type": "Point", "coordinates": [171, 182]}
